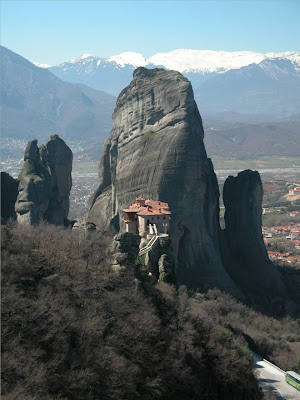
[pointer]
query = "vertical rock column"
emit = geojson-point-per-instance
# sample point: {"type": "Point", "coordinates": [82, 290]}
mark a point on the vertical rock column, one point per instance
{"type": "Point", "coordinates": [244, 254]}
{"type": "Point", "coordinates": [156, 151]}
{"type": "Point", "coordinates": [9, 192]}
{"type": "Point", "coordinates": [45, 183]}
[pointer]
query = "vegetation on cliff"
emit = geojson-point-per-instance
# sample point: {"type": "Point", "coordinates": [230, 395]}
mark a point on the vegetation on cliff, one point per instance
{"type": "Point", "coordinates": [72, 328]}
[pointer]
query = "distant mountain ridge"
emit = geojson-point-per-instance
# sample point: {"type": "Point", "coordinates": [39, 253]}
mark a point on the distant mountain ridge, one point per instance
{"type": "Point", "coordinates": [270, 87]}
{"type": "Point", "coordinates": [243, 82]}
{"type": "Point", "coordinates": [237, 106]}
{"type": "Point", "coordinates": [187, 60]}
{"type": "Point", "coordinates": [35, 104]}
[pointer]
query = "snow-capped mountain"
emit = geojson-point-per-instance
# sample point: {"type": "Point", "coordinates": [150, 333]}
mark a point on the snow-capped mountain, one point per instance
{"type": "Point", "coordinates": [41, 65]}
{"type": "Point", "coordinates": [110, 74]}
{"type": "Point", "coordinates": [201, 67]}
{"type": "Point", "coordinates": [129, 57]}
{"type": "Point", "coordinates": [188, 60]}
{"type": "Point", "coordinates": [85, 56]}
{"type": "Point", "coordinates": [271, 87]}
{"type": "Point", "coordinates": [208, 61]}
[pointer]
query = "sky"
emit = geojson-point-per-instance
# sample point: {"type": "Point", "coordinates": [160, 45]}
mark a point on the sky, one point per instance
{"type": "Point", "coordinates": [52, 32]}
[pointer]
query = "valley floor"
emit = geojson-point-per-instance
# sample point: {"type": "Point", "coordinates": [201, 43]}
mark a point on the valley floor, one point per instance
{"type": "Point", "coordinates": [85, 174]}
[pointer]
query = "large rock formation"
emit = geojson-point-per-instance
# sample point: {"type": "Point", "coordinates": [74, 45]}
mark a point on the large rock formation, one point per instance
{"type": "Point", "coordinates": [9, 193]}
{"type": "Point", "coordinates": [45, 183]}
{"type": "Point", "coordinates": [244, 253]}
{"type": "Point", "coordinates": [156, 150]}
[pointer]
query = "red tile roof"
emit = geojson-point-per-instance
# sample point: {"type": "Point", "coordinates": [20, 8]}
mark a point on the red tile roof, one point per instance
{"type": "Point", "coordinates": [151, 207]}
{"type": "Point", "coordinates": [292, 259]}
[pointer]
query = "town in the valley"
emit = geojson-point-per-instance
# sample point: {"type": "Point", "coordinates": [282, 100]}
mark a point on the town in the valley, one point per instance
{"type": "Point", "coordinates": [281, 227]}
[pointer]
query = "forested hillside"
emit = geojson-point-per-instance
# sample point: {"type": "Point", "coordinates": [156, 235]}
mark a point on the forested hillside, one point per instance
{"type": "Point", "coordinates": [74, 328]}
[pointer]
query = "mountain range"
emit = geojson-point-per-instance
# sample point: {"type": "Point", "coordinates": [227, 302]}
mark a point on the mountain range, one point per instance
{"type": "Point", "coordinates": [35, 103]}
{"type": "Point", "coordinates": [243, 81]}
{"type": "Point", "coordinates": [245, 99]}
{"type": "Point", "coordinates": [182, 60]}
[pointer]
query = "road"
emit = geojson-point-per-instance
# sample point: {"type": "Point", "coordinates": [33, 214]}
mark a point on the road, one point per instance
{"type": "Point", "coordinates": [272, 381]}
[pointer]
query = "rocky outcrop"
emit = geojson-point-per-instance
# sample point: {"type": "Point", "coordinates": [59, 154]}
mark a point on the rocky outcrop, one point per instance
{"type": "Point", "coordinates": [159, 261]}
{"type": "Point", "coordinates": [9, 193]}
{"type": "Point", "coordinates": [125, 250]}
{"type": "Point", "coordinates": [45, 183]}
{"type": "Point", "coordinates": [156, 151]}
{"type": "Point", "coordinates": [244, 254]}
{"type": "Point", "coordinates": [166, 269]}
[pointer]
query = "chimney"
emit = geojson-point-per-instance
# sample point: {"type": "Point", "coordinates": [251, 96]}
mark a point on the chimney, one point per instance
{"type": "Point", "coordinates": [140, 201]}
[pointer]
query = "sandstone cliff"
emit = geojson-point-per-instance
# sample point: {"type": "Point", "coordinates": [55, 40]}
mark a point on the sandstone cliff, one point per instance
{"type": "Point", "coordinates": [9, 192]}
{"type": "Point", "coordinates": [244, 253]}
{"type": "Point", "coordinates": [156, 150]}
{"type": "Point", "coordinates": [45, 183]}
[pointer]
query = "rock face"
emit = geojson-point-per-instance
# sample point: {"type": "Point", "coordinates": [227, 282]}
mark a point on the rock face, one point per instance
{"type": "Point", "coordinates": [156, 151]}
{"type": "Point", "coordinates": [125, 249]}
{"type": "Point", "coordinates": [244, 253]}
{"type": "Point", "coordinates": [165, 269]}
{"type": "Point", "coordinates": [45, 183]}
{"type": "Point", "coordinates": [9, 193]}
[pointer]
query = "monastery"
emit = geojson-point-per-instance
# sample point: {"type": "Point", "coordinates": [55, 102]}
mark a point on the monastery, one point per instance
{"type": "Point", "coordinates": [147, 217]}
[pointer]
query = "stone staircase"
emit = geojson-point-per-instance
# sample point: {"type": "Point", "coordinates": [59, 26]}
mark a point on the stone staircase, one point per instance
{"type": "Point", "coordinates": [149, 246]}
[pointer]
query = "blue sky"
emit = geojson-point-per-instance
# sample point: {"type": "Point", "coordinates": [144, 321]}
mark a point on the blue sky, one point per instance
{"type": "Point", "coordinates": [55, 31]}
